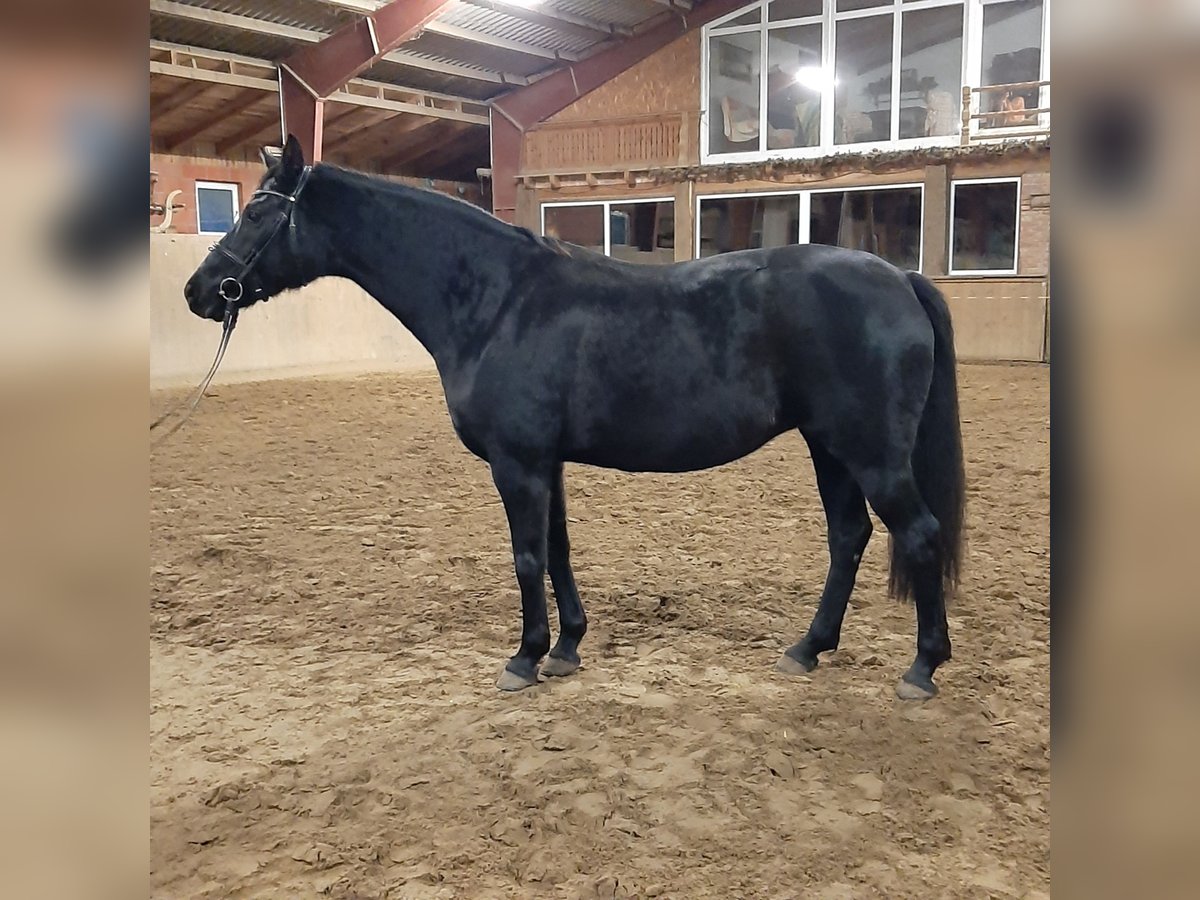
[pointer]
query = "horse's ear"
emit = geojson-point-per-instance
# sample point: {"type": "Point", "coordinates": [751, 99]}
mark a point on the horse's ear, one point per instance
{"type": "Point", "coordinates": [270, 156]}
{"type": "Point", "coordinates": [293, 155]}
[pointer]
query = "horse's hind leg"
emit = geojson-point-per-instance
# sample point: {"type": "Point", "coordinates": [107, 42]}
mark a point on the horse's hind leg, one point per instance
{"type": "Point", "coordinates": [526, 494]}
{"type": "Point", "coordinates": [849, 531]}
{"type": "Point", "coordinates": [894, 495]}
{"type": "Point", "coordinates": [572, 622]}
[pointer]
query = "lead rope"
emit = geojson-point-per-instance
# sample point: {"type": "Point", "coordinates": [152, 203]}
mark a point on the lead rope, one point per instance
{"type": "Point", "coordinates": [227, 325]}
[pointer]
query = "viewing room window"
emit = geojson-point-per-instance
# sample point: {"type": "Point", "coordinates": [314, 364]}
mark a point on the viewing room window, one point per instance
{"type": "Point", "coordinates": [748, 222]}
{"type": "Point", "coordinates": [216, 207]}
{"type": "Point", "coordinates": [801, 77]}
{"type": "Point", "coordinates": [637, 231]}
{"type": "Point", "coordinates": [886, 221]}
{"type": "Point", "coordinates": [984, 223]}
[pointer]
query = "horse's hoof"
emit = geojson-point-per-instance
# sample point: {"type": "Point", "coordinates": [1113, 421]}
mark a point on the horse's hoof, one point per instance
{"type": "Point", "coordinates": [916, 688]}
{"type": "Point", "coordinates": [510, 681]}
{"type": "Point", "coordinates": [555, 667]}
{"type": "Point", "coordinates": [789, 665]}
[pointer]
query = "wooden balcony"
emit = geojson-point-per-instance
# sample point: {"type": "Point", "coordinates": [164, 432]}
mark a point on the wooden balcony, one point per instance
{"type": "Point", "coordinates": [625, 145]}
{"type": "Point", "coordinates": [999, 112]}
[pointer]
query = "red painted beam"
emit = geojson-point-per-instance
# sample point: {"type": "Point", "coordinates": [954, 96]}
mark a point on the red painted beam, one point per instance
{"type": "Point", "coordinates": [317, 70]}
{"type": "Point", "coordinates": [517, 112]}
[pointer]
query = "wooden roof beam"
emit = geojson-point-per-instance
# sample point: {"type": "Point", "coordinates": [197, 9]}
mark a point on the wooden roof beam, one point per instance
{"type": "Point", "coordinates": [182, 54]}
{"type": "Point", "coordinates": [304, 35]}
{"type": "Point", "coordinates": [181, 96]}
{"type": "Point", "coordinates": [365, 93]}
{"type": "Point", "coordinates": [247, 99]}
{"type": "Point", "coordinates": [436, 140]}
{"type": "Point", "coordinates": [261, 129]}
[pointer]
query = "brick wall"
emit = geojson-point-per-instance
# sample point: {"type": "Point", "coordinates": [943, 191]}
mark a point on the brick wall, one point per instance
{"type": "Point", "coordinates": [182, 172]}
{"type": "Point", "coordinates": [1035, 224]}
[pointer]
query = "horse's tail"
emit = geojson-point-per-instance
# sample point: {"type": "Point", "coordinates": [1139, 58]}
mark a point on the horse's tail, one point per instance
{"type": "Point", "coordinates": [937, 459]}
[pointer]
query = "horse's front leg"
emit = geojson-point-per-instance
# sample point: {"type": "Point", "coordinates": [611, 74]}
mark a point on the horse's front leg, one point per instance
{"type": "Point", "coordinates": [525, 490]}
{"type": "Point", "coordinates": [572, 621]}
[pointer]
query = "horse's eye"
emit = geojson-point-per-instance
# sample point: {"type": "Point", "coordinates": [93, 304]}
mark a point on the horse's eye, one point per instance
{"type": "Point", "coordinates": [252, 215]}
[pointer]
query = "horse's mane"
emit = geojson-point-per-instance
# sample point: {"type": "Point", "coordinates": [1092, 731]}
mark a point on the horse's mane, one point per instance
{"type": "Point", "coordinates": [468, 211]}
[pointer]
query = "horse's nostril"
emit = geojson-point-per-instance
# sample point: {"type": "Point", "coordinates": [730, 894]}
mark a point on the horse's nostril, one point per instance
{"type": "Point", "coordinates": [189, 292]}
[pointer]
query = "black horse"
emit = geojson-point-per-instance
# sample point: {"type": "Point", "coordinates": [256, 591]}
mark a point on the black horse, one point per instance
{"type": "Point", "coordinates": [549, 353]}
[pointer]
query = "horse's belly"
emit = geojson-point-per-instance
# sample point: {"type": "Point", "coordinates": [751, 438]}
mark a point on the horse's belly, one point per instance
{"type": "Point", "coordinates": [678, 436]}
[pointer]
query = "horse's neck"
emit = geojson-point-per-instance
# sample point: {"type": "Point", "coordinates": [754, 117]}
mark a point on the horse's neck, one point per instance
{"type": "Point", "coordinates": [417, 258]}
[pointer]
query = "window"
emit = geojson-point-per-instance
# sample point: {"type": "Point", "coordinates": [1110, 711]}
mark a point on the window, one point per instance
{"type": "Point", "coordinates": [886, 221]}
{"type": "Point", "coordinates": [581, 224]}
{"type": "Point", "coordinates": [748, 222]}
{"type": "Point", "coordinates": [1012, 54]}
{"type": "Point", "coordinates": [734, 70]}
{"type": "Point", "coordinates": [931, 54]}
{"type": "Point", "coordinates": [883, 221]}
{"type": "Point", "coordinates": [794, 87]}
{"type": "Point", "coordinates": [984, 217]}
{"type": "Point", "coordinates": [862, 78]}
{"type": "Point", "coordinates": [803, 77]}
{"type": "Point", "coordinates": [638, 231]}
{"type": "Point", "coordinates": [216, 207]}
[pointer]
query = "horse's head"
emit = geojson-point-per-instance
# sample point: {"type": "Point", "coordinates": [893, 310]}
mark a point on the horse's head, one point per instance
{"type": "Point", "coordinates": [262, 255]}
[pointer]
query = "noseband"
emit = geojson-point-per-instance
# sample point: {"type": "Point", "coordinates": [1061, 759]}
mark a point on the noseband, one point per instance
{"type": "Point", "coordinates": [232, 288]}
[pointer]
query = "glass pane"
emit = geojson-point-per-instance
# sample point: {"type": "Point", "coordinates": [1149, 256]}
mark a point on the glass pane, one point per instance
{"type": "Point", "coordinates": [643, 232]}
{"type": "Point", "coordinates": [745, 223]}
{"type": "Point", "coordinates": [751, 18]}
{"type": "Point", "coordinates": [985, 227]}
{"type": "Point", "coordinates": [886, 222]}
{"type": "Point", "coordinates": [863, 93]}
{"type": "Point", "coordinates": [794, 83]}
{"type": "Point", "coordinates": [794, 9]}
{"type": "Point", "coordinates": [582, 225]}
{"type": "Point", "coordinates": [931, 72]}
{"type": "Point", "coordinates": [215, 209]}
{"type": "Point", "coordinates": [734, 70]}
{"type": "Point", "coordinates": [846, 5]}
{"type": "Point", "coordinates": [1012, 53]}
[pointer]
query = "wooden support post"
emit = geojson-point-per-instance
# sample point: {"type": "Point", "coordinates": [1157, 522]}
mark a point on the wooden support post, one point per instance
{"type": "Point", "coordinates": [685, 221]}
{"type": "Point", "coordinates": [936, 231]}
{"type": "Point", "coordinates": [528, 212]}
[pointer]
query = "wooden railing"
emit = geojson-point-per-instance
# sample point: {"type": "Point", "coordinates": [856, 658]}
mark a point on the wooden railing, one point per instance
{"type": "Point", "coordinates": [610, 145]}
{"type": "Point", "coordinates": [999, 124]}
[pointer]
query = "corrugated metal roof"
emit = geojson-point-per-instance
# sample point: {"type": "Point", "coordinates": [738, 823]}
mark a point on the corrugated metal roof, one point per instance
{"type": "Point", "coordinates": [477, 56]}
{"type": "Point", "coordinates": [612, 12]}
{"type": "Point", "coordinates": [439, 62]}
{"type": "Point", "coordinates": [499, 25]}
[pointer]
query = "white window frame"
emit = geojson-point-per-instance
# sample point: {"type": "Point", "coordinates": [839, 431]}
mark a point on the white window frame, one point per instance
{"type": "Point", "coordinates": [606, 206]}
{"type": "Point", "coordinates": [231, 188]}
{"type": "Point", "coordinates": [972, 75]}
{"type": "Point", "coordinates": [805, 199]}
{"type": "Point", "coordinates": [975, 70]}
{"type": "Point", "coordinates": [984, 273]}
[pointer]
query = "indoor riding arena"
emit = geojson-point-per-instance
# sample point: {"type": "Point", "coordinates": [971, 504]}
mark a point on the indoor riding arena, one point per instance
{"type": "Point", "coordinates": [332, 577]}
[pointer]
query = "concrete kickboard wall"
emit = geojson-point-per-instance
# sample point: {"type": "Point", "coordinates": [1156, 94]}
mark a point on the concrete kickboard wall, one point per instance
{"type": "Point", "coordinates": [330, 326]}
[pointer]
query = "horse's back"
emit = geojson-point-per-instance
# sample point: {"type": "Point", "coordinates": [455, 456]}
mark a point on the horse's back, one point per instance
{"type": "Point", "coordinates": [695, 364]}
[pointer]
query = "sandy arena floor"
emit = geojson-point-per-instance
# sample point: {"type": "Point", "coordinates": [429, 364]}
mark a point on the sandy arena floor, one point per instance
{"type": "Point", "coordinates": [333, 597]}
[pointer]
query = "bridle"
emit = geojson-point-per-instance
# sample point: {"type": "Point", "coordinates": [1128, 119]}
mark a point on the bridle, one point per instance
{"type": "Point", "coordinates": [232, 289]}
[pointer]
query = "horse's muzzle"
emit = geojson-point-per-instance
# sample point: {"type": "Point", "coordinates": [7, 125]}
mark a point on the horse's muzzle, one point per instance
{"type": "Point", "coordinates": [204, 304]}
